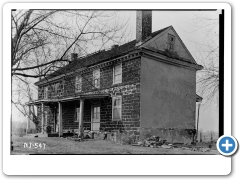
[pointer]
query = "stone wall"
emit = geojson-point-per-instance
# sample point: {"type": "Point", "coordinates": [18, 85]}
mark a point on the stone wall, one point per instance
{"type": "Point", "coordinates": [129, 89]}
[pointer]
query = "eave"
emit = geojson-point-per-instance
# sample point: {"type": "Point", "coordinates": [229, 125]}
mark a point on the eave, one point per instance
{"type": "Point", "coordinates": [124, 57]}
{"type": "Point", "coordinates": [153, 54]}
{"type": "Point", "coordinates": [83, 96]}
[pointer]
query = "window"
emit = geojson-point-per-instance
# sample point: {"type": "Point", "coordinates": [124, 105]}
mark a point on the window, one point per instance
{"type": "Point", "coordinates": [171, 42]}
{"type": "Point", "coordinates": [117, 107]}
{"type": "Point", "coordinates": [78, 84]}
{"type": "Point", "coordinates": [45, 92]}
{"type": "Point", "coordinates": [41, 93]}
{"type": "Point", "coordinates": [59, 88]}
{"type": "Point", "coordinates": [117, 74]}
{"type": "Point", "coordinates": [51, 91]}
{"type": "Point", "coordinates": [95, 124]}
{"type": "Point", "coordinates": [96, 78]}
{"type": "Point", "coordinates": [77, 114]}
{"type": "Point", "coordinates": [96, 112]}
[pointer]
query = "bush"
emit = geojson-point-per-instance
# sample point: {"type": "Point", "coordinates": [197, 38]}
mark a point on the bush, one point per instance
{"type": "Point", "coordinates": [126, 139]}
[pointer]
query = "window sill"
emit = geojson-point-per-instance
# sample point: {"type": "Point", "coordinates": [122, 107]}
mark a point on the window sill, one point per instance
{"type": "Point", "coordinates": [116, 83]}
{"type": "Point", "coordinates": [116, 119]}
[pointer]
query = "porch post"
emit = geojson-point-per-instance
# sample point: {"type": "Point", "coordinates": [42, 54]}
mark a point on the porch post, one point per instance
{"type": "Point", "coordinates": [42, 118]}
{"type": "Point", "coordinates": [80, 126]}
{"type": "Point", "coordinates": [28, 120]}
{"type": "Point", "coordinates": [60, 130]}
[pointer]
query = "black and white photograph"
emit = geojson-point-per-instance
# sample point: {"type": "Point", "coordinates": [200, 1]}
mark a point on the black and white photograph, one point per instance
{"type": "Point", "coordinates": [129, 82]}
{"type": "Point", "coordinates": [123, 88]}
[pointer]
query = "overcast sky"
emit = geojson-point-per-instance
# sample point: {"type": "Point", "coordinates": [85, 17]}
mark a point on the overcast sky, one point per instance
{"type": "Point", "coordinates": [191, 35]}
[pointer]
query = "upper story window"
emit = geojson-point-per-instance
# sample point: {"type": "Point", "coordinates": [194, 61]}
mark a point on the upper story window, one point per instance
{"type": "Point", "coordinates": [41, 93]}
{"type": "Point", "coordinates": [96, 78]}
{"type": "Point", "coordinates": [78, 84]}
{"type": "Point", "coordinates": [171, 42]}
{"type": "Point", "coordinates": [59, 88]}
{"type": "Point", "coordinates": [52, 91]}
{"type": "Point", "coordinates": [117, 74]}
{"type": "Point", "coordinates": [45, 92]}
{"type": "Point", "coordinates": [117, 107]}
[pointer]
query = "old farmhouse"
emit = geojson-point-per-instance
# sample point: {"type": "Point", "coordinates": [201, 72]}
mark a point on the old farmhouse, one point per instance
{"type": "Point", "coordinates": [145, 86]}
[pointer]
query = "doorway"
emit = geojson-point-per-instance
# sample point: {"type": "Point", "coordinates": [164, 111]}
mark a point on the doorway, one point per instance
{"type": "Point", "coordinates": [95, 124]}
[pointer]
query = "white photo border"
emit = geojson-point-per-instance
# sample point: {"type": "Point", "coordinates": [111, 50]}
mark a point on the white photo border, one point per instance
{"type": "Point", "coordinates": [123, 164]}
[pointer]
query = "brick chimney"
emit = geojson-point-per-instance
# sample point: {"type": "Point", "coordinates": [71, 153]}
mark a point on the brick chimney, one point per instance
{"type": "Point", "coordinates": [74, 56]}
{"type": "Point", "coordinates": [144, 25]}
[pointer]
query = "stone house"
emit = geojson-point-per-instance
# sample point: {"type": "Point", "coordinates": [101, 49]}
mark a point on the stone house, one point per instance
{"type": "Point", "coordinates": [146, 86]}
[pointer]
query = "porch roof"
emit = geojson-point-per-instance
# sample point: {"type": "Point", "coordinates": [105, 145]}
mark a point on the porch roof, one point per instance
{"type": "Point", "coordinates": [83, 96]}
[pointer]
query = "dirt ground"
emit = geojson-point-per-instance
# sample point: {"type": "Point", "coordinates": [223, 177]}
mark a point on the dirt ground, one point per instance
{"type": "Point", "coordinates": [56, 145]}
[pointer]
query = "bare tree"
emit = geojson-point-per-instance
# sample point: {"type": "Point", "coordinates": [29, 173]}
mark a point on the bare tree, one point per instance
{"type": "Point", "coordinates": [42, 41]}
{"type": "Point", "coordinates": [208, 54]}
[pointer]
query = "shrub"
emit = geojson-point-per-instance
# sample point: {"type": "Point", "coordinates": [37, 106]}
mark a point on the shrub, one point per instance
{"type": "Point", "coordinates": [128, 139]}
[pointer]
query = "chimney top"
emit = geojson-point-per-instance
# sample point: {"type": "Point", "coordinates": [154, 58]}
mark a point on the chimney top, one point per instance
{"type": "Point", "coordinates": [74, 56]}
{"type": "Point", "coordinates": [114, 46]}
{"type": "Point", "coordinates": [144, 25]}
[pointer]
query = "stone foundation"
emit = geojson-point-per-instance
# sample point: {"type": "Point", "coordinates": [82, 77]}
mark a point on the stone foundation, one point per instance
{"type": "Point", "coordinates": [128, 137]}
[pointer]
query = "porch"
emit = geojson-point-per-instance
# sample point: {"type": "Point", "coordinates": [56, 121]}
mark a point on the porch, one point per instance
{"type": "Point", "coordinates": [68, 116]}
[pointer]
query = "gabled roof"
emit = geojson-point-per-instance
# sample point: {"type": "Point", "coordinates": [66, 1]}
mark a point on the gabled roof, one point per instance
{"type": "Point", "coordinates": [100, 56]}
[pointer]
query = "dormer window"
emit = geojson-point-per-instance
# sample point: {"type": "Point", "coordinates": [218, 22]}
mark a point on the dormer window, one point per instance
{"type": "Point", "coordinates": [171, 42]}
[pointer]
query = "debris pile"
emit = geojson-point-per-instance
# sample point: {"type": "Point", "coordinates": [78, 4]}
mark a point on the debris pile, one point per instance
{"type": "Point", "coordinates": [74, 138]}
{"type": "Point", "coordinates": [88, 135]}
{"type": "Point", "coordinates": [156, 142]}
{"type": "Point", "coordinates": [201, 149]}
{"type": "Point", "coordinates": [153, 142]}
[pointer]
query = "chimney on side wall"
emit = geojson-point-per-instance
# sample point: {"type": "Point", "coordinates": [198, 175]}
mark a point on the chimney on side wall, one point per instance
{"type": "Point", "coordinates": [144, 25]}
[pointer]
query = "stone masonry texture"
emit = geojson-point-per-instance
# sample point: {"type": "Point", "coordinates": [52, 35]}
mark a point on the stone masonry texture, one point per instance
{"type": "Point", "coordinates": [129, 89]}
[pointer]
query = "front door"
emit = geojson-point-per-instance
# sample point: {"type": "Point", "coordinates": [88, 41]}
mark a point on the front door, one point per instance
{"type": "Point", "coordinates": [95, 125]}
